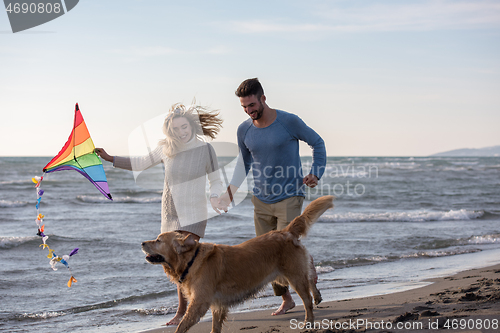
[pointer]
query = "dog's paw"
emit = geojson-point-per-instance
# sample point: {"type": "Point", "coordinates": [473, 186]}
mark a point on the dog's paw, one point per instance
{"type": "Point", "coordinates": [317, 297]}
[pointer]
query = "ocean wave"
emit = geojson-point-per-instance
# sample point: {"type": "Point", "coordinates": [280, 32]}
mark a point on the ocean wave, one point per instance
{"type": "Point", "coordinates": [436, 244]}
{"type": "Point", "coordinates": [464, 162]}
{"type": "Point", "coordinates": [324, 269]}
{"type": "Point", "coordinates": [347, 171]}
{"type": "Point", "coordinates": [12, 204]}
{"type": "Point", "coordinates": [436, 253]}
{"type": "Point", "coordinates": [127, 199]}
{"type": "Point", "coordinates": [16, 182]}
{"type": "Point", "coordinates": [42, 315]}
{"type": "Point", "coordinates": [330, 266]}
{"type": "Point", "coordinates": [400, 165]}
{"type": "Point", "coordinates": [34, 241]}
{"type": "Point", "coordinates": [119, 301]}
{"type": "Point", "coordinates": [10, 242]}
{"type": "Point", "coordinates": [486, 239]}
{"type": "Point", "coordinates": [410, 216]}
{"type": "Point", "coordinates": [455, 168]}
{"type": "Point", "coordinates": [155, 311]}
{"type": "Point", "coordinates": [361, 261]}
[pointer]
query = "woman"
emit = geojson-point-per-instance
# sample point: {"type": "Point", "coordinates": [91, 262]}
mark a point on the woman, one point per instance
{"type": "Point", "coordinates": [188, 161]}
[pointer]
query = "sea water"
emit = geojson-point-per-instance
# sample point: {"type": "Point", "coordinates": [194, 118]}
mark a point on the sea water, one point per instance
{"type": "Point", "coordinates": [397, 221]}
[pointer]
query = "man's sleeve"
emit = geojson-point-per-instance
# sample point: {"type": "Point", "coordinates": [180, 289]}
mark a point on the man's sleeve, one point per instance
{"type": "Point", "coordinates": [309, 136]}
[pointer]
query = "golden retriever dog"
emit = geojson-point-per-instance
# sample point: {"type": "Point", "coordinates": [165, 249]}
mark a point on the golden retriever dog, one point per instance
{"type": "Point", "coordinates": [220, 276]}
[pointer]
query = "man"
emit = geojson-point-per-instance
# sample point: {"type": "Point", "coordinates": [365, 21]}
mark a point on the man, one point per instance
{"type": "Point", "coordinates": [269, 144]}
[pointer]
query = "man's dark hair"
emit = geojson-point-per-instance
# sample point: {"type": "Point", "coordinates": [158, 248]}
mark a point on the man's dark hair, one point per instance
{"type": "Point", "coordinates": [250, 87]}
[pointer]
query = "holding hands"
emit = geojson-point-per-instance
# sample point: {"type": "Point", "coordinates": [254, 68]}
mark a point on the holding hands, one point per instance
{"type": "Point", "coordinates": [223, 202]}
{"type": "Point", "coordinates": [215, 205]}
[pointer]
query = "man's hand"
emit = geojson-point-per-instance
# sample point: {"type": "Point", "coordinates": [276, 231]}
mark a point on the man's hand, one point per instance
{"type": "Point", "coordinates": [310, 180]}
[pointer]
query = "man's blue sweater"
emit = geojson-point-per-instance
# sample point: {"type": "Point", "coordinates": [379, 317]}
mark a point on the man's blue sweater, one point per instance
{"type": "Point", "coordinates": [273, 154]}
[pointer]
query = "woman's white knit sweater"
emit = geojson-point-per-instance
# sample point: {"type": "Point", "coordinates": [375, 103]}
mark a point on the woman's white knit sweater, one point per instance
{"type": "Point", "coordinates": [184, 201]}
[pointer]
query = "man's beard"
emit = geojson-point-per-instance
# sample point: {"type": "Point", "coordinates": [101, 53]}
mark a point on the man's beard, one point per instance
{"type": "Point", "coordinates": [260, 112]}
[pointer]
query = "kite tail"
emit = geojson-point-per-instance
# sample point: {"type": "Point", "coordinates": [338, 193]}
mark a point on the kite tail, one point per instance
{"type": "Point", "coordinates": [54, 259]}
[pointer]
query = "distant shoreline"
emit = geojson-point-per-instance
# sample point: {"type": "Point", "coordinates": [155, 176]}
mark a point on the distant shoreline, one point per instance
{"type": "Point", "coordinates": [493, 151]}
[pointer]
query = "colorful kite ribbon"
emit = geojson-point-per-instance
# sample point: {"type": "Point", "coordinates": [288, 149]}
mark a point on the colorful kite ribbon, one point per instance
{"type": "Point", "coordinates": [54, 258]}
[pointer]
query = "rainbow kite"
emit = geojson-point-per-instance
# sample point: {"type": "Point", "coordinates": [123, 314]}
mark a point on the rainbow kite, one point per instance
{"type": "Point", "coordinates": [78, 154]}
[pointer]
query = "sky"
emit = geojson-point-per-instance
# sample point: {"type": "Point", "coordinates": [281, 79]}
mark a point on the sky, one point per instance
{"type": "Point", "coordinates": [373, 78]}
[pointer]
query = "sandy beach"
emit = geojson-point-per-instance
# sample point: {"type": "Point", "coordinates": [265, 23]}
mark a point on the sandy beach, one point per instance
{"type": "Point", "coordinates": [465, 302]}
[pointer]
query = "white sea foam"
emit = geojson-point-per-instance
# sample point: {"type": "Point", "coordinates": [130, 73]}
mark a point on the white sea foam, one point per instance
{"type": "Point", "coordinates": [408, 216]}
{"type": "Point", "coordinates": [12, 204]}
{"type": "Point", "coordinates": [323, 270]}
{"type": "Point", "coordinates": [442, 253]}
{"type": "Point", "coordinates": [44, 315]}
{"type": "Point", "coordinates": [16, 182]}
{"type": "Point", "coordinates": [400, 165]}
{"type": "Point", "coordinates": [155, 311]}
{"type": "Point", "coordinates": [10, 242]}
{"type": "Point", "coordinates": [455, 169]}
{"type": "Point", "coordinates": [465, 162]}
{"type": "Point", "coordinates": [487, 239]}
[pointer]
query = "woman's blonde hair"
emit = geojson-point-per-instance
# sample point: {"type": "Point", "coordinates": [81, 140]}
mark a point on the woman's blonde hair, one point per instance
{"type": "Point", "coordinates": [204, 122]}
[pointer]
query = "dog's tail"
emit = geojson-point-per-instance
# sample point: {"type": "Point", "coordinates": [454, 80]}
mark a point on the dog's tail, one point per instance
{"type": "Point", "coordinates": [301, 224]}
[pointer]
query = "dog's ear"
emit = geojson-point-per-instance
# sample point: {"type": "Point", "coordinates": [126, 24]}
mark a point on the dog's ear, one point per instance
{"type": "Point", "coordinates": [184, 244]}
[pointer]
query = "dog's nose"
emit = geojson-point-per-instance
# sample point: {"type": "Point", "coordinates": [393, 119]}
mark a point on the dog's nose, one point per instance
{"type": "Point", "coordinates": [143, 243]}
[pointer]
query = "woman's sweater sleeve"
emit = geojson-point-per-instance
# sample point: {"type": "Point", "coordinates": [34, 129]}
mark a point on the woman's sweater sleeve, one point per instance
{"type": "Point", "coordinates": [139, 163]}
{"type": "Point", "coordinates": [213, 172]}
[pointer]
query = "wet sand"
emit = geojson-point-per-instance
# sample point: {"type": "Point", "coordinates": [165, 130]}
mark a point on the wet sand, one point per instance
{"type": "Point", "coordinates": [466, 302]}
